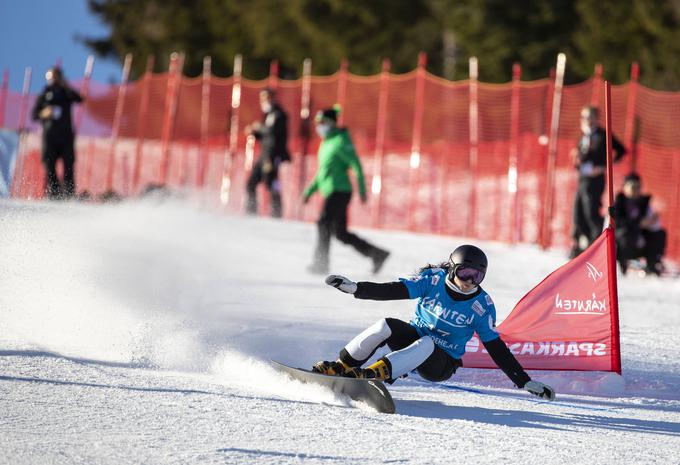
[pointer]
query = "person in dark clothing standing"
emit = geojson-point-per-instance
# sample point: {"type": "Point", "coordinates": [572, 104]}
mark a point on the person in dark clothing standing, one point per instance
{"type": "Point", "coordinates": [336, 156]}
{"type": "Point", "coordinates": [53, 109]}
{"type": "Point", "coordinates": [638, 229]}
{"type": "Point", "coordinates": [272, 133]}
{"type": "Point", "coordinates": [451, 308]}
{"type": "Point", "coordinates": [590, 159]}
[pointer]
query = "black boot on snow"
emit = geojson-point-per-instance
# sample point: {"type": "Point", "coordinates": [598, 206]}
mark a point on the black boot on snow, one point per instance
{"type": "Point", "coordinates": [379, 257]}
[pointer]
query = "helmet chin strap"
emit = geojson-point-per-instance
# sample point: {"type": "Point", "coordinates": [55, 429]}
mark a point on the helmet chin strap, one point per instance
{"type": "Point", "coordinates": [451, 285]}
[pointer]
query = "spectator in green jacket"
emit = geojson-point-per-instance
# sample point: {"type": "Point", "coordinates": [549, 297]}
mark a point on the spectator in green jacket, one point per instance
{"type": "Point", "coordinates": [336, 156]}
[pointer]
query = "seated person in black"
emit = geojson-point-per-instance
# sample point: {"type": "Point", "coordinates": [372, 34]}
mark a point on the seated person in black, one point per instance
{"type": "Point", "coordinates": [638, 230]}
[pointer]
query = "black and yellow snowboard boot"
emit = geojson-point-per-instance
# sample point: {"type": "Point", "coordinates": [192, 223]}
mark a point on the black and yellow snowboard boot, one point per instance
{"type": "Point", "coordinates": [378, 370]}
{"type": "Point", "coordinates": [337, 368]}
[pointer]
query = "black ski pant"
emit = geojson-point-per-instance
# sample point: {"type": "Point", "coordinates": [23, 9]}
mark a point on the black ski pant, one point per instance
{"type": "Point", "coordinates": [439, 366]}
{"type": "Point", "coordinates": [587, 220]}
{"type": "Point", "coordinates": [333, 221]}
{"type": "Point", "coordinates": [268, 173]}
{"type": "Point", "coordinates": [632, 243]}
{"type": "Point", "coordinates": [54, 149]}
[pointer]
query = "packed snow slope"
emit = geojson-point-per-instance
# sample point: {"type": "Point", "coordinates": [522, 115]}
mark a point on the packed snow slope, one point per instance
{"type": "Point", "coordinates": [140, 333]}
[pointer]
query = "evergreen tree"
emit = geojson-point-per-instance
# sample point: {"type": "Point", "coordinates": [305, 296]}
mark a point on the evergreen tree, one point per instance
{"type": "Point", "coordinates": [618, 33]}
{"type": "Point", "coordinates": [499, 33]}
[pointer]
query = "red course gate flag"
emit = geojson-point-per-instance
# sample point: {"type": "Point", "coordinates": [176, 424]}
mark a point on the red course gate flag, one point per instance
{"type": "Point", "coordinates": [570, 321]}
{"type": "Point", "coordinates": [567, 322]}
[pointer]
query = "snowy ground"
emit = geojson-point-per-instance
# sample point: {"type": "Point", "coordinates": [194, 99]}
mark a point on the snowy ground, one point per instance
{"type": "Point", "coordinates": [139, 333]}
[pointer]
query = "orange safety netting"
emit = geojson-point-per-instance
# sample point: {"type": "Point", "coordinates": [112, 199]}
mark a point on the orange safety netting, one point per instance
{"type": "Point", "coordinates": [425, 169]}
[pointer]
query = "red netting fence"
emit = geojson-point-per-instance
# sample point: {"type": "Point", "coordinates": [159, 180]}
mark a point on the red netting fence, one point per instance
{"type": "Point", "coordinates": [459, 158]}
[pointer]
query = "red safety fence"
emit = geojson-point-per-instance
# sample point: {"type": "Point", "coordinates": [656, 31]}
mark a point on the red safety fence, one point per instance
{"type": "Point", "coordinates": [459, 158]}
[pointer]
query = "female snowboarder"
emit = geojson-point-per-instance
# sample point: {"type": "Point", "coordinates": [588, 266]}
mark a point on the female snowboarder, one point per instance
{"type": "Point", "coordinates": [451, 308]}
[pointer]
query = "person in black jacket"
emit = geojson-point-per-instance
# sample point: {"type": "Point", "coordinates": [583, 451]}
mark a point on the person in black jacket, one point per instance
{"type": "Point", "coordinates": [451, 308]}
{"type": "Point", "coordinates": [272, 133]}
{"type": "Point", "coordinates": [638, 229]}
{"type": "Point", "coordinates": [590, 159]}
{"type": "Point", "coordinates": [53, 109]}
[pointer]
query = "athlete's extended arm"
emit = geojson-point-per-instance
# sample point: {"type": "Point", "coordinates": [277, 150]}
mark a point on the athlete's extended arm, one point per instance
{"type": "Point", "coordinates": [507, 362]}
{"type": "Point", "coordinates": [368, 290]}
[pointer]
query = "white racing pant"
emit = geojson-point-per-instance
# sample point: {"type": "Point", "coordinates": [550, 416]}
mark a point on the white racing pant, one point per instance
{"type": "Point", "coordinates": [402, 361]}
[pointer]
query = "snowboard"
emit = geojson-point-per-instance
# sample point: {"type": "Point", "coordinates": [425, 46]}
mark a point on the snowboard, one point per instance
{"type": "Point", "coordinates": [369, 391]}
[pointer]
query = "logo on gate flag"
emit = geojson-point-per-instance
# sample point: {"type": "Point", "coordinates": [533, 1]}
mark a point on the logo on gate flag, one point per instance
{"type": "Point", "coordinates": [592, 272]}
{"type": "Point", "coordinates": [568, 321]}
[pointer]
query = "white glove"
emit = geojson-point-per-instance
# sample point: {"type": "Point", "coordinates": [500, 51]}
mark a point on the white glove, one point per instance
{"type": "Point", "coordinates": [341, 283]}
{"type": "Point", "coordinates": [539, 389]}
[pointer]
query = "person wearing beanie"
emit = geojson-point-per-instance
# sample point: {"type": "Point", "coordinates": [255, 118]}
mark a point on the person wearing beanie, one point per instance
{"type": "Point", "coordinates": [638, 229]}
{"type": "Point", "coordinates": [336, 157]}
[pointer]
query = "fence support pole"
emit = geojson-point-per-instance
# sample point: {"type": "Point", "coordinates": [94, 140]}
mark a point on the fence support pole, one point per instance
{"type": "Point", "coordinates": [380, 129]}
{"type": "Point", "coordinates": [474, 144]}
{"type": "Point", "coordinates": [141, 121]}
{"type": "Point", "coordinates": [84, 90]}
{"type": "Point", "coordinates": [18, 182]}
{"type": "Point", "coordinates": [513, 172]}
{"type": "Point", "coordinates": [596, 94]}
{"type": "Point", "coordinates": [171, 94]}
{"type": "Point", "coordinates": [115, 129]}
{"type": "Point", "coordinates": [225, 189]}
{"type": "Point", "coordinates": [416, 138]}
{"type": "Point", "coordinates": [273, 81]}
{"type": "Point", "coordinates": [202, 162]}
{"type": "Point", "coordinates": [343, 75]}
{"type": "Point", "coordinates": [23, 106]}
{"type": "Point", "coordinates": [630, 129]}
{"type": "Point", "coordinates": [552, 151]}
{"type": "Point", "coordinates": [87, 181]}
{"type": "Point", "coordinates": [305, 129]}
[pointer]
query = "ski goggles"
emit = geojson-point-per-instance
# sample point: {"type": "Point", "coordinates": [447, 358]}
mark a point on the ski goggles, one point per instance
{"type": "Point", "coordinates": [466, 273]}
